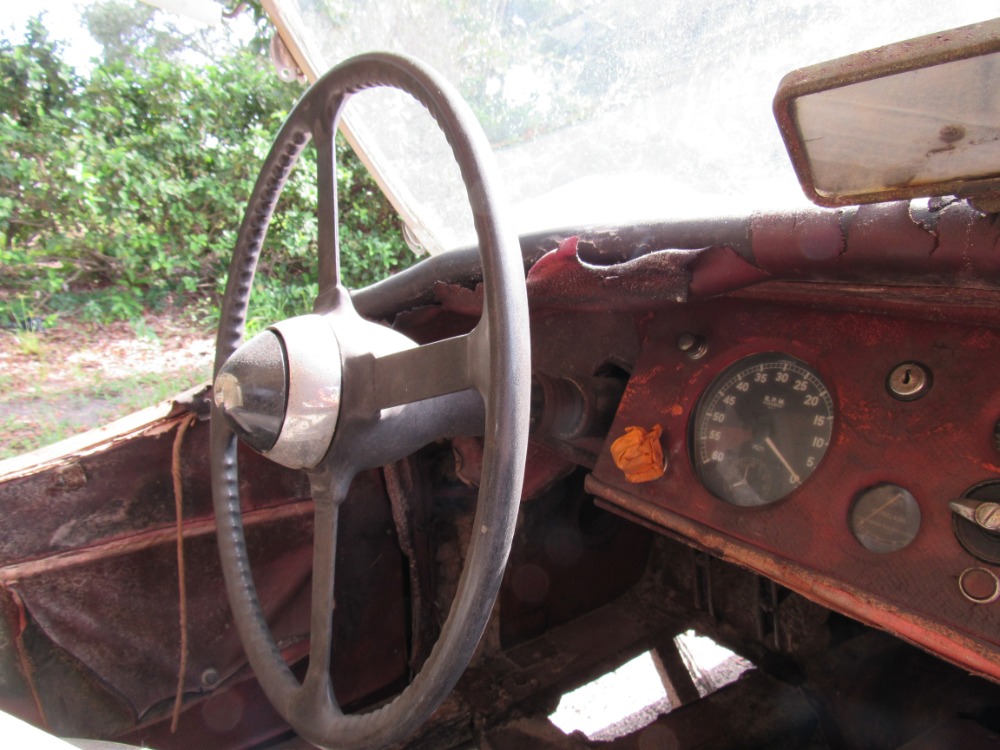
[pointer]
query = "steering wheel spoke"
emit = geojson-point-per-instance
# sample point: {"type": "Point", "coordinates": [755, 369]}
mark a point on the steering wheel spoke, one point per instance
{"type": "Point", "coordinates": [328, 230]}
{"type": "Point", "coordinates": [435, 369]}
{"type": "Point", "coordinates": [316, 695]}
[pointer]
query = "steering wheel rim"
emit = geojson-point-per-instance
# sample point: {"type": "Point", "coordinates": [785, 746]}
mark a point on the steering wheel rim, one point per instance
{"type": "Point", "coordinates": [496, 358]}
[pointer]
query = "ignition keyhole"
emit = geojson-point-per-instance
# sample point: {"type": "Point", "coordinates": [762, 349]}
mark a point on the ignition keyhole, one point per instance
{"type": "Point", "coordinates": [908, 381]}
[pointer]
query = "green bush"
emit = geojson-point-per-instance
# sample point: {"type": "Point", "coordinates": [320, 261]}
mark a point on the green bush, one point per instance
{"type": "Point", "coordinates": [125, 189]}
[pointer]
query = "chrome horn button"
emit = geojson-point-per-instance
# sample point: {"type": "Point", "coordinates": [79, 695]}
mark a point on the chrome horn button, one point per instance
{"type": "Point", "coordinates": [280, 392]}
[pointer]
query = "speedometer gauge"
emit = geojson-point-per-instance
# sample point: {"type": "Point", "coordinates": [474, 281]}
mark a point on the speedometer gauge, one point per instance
{"type": "Point", "coordinates": [761, 429]}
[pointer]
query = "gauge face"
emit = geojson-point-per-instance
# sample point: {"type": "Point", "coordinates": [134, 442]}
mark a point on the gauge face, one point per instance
{"type": "Point", "coordinates": [885, 518]}
{"type": "Point", "coordinates": [761, 429]}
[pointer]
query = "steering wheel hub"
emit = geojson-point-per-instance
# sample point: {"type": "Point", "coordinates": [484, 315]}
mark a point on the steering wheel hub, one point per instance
{"type": "Point", "coordinates": [251, 390]}
{"type": "Point", "coordinates": [280, 392]}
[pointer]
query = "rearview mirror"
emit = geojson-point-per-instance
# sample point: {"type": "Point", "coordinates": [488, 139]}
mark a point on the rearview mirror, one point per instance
{"type": "Point", "coordinates": [917, 118]}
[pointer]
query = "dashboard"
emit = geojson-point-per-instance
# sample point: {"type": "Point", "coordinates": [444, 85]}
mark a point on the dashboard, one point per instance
{"type": "Point", "coordinates": [847, 449]}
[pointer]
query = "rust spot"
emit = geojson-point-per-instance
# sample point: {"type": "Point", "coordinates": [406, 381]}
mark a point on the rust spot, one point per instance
{"type": "Point", "coordinates": [941, 149]}
{"type": "Point", "coordinates": [70, 477]}
{"type": "Point", "coordinates": [952, 133]}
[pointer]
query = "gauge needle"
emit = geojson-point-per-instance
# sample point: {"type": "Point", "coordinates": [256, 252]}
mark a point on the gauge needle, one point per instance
{"type": "Point", "coordinates": [793, 477]}
{"type": "Point", "coordinates": [746, 473]}
{"type": "Point", "coordinates": [891, 501]}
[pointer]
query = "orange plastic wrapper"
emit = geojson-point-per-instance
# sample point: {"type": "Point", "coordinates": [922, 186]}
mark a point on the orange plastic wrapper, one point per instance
{"type": "Point", "coordinates": [639, 454]}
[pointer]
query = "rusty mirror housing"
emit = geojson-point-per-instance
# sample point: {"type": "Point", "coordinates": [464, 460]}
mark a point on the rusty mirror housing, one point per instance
{"type": "Point", "coordinates": [913, 119]}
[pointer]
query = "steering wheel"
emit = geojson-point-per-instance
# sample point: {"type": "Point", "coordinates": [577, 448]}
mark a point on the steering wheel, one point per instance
{"type": "Point", "coordinates": [334, 394]}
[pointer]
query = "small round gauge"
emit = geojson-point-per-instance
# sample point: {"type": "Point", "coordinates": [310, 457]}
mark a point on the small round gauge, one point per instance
{"type": "Point", "coordinates": [885, 518]}
{"type": "Point", "coordinates": [761, 429]}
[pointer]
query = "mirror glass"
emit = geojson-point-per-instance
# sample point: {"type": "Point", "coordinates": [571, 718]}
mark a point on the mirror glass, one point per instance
{"type": "Point", "coordinates": [910, 130]}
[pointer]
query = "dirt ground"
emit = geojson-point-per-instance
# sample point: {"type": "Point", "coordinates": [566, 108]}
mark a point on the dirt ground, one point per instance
{"type": "Point", "coordinates": [75, 376]}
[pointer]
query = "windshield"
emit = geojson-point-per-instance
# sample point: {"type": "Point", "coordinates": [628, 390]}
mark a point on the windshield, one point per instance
{"type": "Point", "coordinates": [599, 112]}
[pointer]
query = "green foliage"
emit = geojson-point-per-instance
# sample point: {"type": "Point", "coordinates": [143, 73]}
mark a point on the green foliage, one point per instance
{"type": "Point", "coordinates": [273, 299]}
{"type": "Point", "coordinates": [370, 242]}
{"type": "Point", "coordinates": [125, 190]}
{"type": "Point", "coordinates": [37, 95]}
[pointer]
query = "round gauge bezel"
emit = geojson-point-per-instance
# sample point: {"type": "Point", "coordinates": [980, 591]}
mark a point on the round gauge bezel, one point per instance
{"type": "Point", "coordinates": [884, 518]}
{"type": "Point", "coordinates": [759, 458]}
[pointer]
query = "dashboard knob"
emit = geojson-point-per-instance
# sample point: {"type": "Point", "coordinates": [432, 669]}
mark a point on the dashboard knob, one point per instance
{"type": "Point", "coordinates": [976, 521]}
{"type": "Point", "coordinates": [984, 514]}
